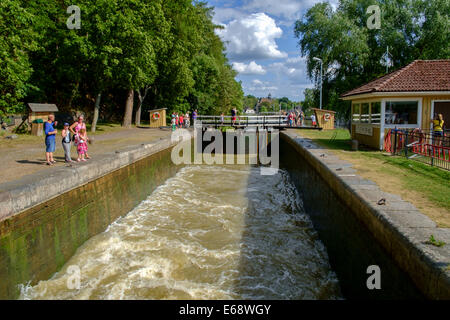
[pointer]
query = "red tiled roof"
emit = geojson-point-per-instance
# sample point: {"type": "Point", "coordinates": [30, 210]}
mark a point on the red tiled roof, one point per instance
{"type": "Point", "coordinates": [420, 75]}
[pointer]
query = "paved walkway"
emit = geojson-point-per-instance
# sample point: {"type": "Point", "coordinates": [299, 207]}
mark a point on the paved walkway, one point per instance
{"type": "Point", "coordinates": [28, 158]}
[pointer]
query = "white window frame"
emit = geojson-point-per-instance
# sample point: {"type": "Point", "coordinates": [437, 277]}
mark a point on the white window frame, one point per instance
{"type": "Point", "coordinates": [383, 124]}
{"type": "Point", "coordinates": [432, 106]}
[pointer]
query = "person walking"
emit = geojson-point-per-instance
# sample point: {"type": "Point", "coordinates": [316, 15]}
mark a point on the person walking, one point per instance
{"type": "Point", "coordinates": [66, 142]}
{"type": "Point", "coordinates": [222, 118]}
{"type": "Point", "coordinates": [50, 142]}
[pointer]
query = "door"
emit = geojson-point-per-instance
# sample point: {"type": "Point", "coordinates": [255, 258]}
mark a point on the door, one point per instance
{"type": "Point", "coordinates": [443, 107]}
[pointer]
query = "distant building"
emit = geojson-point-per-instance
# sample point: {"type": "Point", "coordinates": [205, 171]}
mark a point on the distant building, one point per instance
{"type": "Point", "coordinates": [262, 100]}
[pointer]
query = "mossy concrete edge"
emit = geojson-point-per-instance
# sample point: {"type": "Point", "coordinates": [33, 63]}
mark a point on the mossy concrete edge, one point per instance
{"type": "Point", "coordinates": [17, 196]}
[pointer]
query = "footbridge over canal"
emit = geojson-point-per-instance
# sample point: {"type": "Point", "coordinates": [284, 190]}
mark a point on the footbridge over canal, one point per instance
{"type": "Point", "coordinates": [243, 122]}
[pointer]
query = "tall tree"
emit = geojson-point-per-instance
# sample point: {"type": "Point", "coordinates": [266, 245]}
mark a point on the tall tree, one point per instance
{"type": "Point", "coordinates": [351, 52]}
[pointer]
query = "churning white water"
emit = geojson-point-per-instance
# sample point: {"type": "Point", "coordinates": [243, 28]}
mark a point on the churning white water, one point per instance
{"type": "Point", "coordinates": [210, 232]}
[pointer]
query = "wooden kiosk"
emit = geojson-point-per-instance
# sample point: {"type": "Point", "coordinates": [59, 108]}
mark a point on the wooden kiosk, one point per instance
{"type": "Point", "coordinates": [38, 114]}
{"type": "Point", "coordinates": [158, 118]}
{"type": "Point", "coordinates": [325, 118]}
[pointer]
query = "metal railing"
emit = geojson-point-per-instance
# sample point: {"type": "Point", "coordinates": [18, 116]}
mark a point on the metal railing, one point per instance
{"type": "Point", "coordinates": [245, 121]}
{"type": "Point", "coordinates": [421, 145]}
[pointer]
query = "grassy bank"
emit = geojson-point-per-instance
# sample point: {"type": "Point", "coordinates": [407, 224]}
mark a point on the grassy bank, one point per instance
{"type": "Point", "coordinates": [428, 188]}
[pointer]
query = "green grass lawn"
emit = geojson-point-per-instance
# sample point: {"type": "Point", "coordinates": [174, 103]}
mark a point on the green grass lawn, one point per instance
{"type": "Point", "coordinates": [411, 178]}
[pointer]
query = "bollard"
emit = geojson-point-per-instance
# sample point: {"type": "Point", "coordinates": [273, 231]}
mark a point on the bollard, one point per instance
{"type": "Point", "coordinates": [355, 145]}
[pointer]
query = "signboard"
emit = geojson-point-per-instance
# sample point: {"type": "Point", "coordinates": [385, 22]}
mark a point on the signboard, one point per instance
{"type": "Point", "coordinates": [364, 130]}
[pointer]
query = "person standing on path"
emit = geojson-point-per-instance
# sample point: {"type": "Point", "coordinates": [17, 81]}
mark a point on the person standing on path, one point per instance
{"type": "Point", "coordinates": [313, 120]}
{"type": "Point", "coordinates": [82, 140]}
{"type": "Point", "coordinates": [181, 121]}
{"type": "Point", "coordinates": [187, 122]}
{"type": "Point", "coordinates": [76, 127]}
{"type": "Point", "coordinates": [438, 129]}
{"type": "Point", "coordinates": [66, 142]}
{"type": "Point", "coordinates": [50, 141]}
{"type": "Point", "coordinates": [194, 116]}
{"type": "Point", "coordinates": [233, 116]}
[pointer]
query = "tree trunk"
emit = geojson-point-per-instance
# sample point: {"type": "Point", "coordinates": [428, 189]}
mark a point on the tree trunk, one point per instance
{"type": "Point", "coordinates": [96, 112]}
{"type": "Point", "coordinates": [140, 103]}
{"type": "Point", "coordinates": [138, 114]}
{"type": "Point", "coordinates": [128, 109]}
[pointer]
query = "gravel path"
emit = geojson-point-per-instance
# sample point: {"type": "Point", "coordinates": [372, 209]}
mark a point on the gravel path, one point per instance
{"type": "Point", "coordinates": [28, 158]}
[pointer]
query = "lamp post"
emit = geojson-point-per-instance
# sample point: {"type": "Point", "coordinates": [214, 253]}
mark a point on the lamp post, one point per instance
{"type": "Point", "coordinates": [321, 78]}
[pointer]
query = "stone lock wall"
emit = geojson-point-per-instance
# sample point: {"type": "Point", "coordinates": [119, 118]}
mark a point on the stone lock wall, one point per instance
{"type": "Point", "coordinates": [37, 242]}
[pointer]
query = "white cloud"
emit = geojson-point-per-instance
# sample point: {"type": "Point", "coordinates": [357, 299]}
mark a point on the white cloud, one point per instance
{"type": "Point", "coordinates": [252, 37]}
{"type": "Point", "coordinates": [292, 68]}
{"type": "Point", "coordinates": [287, 10]}
{"type": "Point", "coordinates": [249, 69]}
{"type": "Point", "coordinates": [222, 15]}
{"type": "Point", "coordinates": [262, 87]}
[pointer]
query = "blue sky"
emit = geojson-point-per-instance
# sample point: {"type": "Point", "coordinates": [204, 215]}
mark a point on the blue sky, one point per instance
{"type": "Point", "coordinates": [261, 46]}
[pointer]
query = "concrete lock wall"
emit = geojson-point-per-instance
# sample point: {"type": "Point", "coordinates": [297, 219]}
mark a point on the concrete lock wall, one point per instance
{"type": "Point", "coordinates": [359, 233]}
{"type": "Point", "coordinates": [38, 241]}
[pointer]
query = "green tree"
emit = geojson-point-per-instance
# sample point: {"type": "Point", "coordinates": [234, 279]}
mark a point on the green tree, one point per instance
{"type": "Point", "coordinates": [17, 39]}
{"type": "Point", "coordinates": [351, 52]}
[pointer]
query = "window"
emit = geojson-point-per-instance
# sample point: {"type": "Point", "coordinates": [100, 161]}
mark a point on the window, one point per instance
{"type": "Point", "coordinates": [356, 114]}
{"type": "Point", "coordinates": [375, 113]}
{"type": "Point", "coordinates": [365, 115]}
{"type": "Point", "coordinates": [401, 112]}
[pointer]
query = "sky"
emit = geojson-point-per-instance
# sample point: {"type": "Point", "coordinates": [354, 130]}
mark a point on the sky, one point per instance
{"type": "Point", "coordinates": [261, 46]}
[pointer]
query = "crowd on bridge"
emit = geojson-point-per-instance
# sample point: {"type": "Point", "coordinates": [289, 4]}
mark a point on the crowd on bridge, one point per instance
{"type": "Point", "coordinates": [294, 118]}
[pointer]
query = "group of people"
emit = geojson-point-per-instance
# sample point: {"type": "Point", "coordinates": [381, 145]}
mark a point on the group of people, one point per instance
{"type": "Point", "coordinates": [297, 118]}
{"type": "Point", "coordinates": [182, 120]}
{"type": "Point", "coordinates": [75, 133]}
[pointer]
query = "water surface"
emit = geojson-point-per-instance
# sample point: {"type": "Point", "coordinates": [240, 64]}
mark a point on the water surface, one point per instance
{"type": "Point", "coordinates": [210, 232]}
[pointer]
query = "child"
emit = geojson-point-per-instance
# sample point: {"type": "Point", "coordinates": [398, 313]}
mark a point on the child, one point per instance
{"type": "Point", "coordinates": [81, 142]}
{"type": "Point", "coordinates": [222, 118]}
{"type": "Point", "coordinates": [181, 121]}
{"type": "Point", "coordinates": [186, 120]}
{"type": "Point", "coordinates": [66, 142]}
{"type": "Point", "coordinates": [313, 120]}
{"type": "Point", "coordinates": [174, 124]}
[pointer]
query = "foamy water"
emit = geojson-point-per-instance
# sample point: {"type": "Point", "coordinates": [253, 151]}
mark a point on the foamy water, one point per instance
{"type": "Point", "coordinates": [210, 232]}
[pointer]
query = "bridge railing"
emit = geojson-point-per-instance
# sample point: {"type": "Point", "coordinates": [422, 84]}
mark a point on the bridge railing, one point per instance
{"type": "Point", "coordinates": [243, 120]}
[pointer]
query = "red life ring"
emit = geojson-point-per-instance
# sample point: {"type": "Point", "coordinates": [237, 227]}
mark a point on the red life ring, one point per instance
{"type": "Point", "coordinates": [327, 117]}
{"type": "Point", "coordinates": [156, 116]}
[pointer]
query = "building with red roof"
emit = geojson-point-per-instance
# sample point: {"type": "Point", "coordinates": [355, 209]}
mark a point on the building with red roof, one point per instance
{"type": "Point", "coordinates": [406, 98]}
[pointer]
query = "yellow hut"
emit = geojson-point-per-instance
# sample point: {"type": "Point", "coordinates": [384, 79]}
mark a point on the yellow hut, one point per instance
{"type": "Point", "coordinates": [158, 118]}
{"type": "Point", "coordinates": [38, 114]}
{"type": "Point", "coordinates": [325, 118]}
{"type": "Point", "coordinates": [404, 99]}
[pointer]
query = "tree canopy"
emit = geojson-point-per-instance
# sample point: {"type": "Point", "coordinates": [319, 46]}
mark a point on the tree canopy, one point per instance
{"type": "Point", "coordinates": [168, 49]}
{"type": "Point", "coordinates": [351, 52]}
